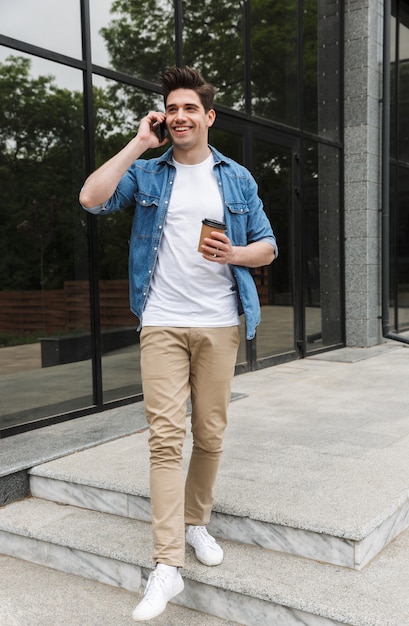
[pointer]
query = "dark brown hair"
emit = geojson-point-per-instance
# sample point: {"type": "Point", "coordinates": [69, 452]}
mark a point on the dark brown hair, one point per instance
{"type": "Point", "coordinates": [188, 78]}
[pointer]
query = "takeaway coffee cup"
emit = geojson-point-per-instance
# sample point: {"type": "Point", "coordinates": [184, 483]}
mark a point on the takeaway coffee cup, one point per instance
{"type": "Point", "coordinates": [208, 226]}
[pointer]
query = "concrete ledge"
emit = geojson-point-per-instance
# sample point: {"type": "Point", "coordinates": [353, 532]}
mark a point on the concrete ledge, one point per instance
{"type": "Point", "coordinates": [72, 348]}
{"type": "Point", "coordinates": [24, 451]}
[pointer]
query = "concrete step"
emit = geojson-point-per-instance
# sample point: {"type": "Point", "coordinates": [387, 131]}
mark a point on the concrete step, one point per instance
{"type": "Point", "coordinates": [252, 586]}
{"type": "Point", "coordinates": [53, 598]}
{"type": "Point", "coordinates": [114, 478]}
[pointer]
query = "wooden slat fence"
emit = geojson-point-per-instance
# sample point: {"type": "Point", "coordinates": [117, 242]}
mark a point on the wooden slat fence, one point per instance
{"type": "Point", "coordinates": [64, 310]}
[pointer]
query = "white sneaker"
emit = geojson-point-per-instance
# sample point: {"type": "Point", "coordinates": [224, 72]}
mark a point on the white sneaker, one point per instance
{"type": "Point", "coordinates": [162, 586]}
{"type": "Point", "coordinates": [207, 550]}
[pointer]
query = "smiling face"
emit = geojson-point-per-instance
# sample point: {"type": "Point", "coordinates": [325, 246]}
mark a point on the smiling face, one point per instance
{"type": "Point", "coordinates": [188, 125]}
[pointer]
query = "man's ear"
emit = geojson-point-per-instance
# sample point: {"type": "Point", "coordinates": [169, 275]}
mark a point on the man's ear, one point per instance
{"type": "Point", "coordinates": [211, 116]}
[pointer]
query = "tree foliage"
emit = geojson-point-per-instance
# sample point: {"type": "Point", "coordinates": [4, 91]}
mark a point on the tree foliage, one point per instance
{"type": "Point", "coordinates": [43, 231]}
{"type": "Point", "coordinates": [141, 37]}
{"type": "Point", "coordinates": [42, 155]}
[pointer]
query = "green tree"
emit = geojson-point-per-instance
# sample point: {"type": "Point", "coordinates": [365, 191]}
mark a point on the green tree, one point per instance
{"type": "Point", "coordinates": [274, 59]}
{"type": "Point", "coordinates": [213, 42]}
{"type": "Point", "coordinates": [140, 42]}
{"type": "Point", "coordinates": [41, 139]}
{"type": "Point", "coordinates": [140, 38]}
{"type": "Point", "coordinates": [43, 231]}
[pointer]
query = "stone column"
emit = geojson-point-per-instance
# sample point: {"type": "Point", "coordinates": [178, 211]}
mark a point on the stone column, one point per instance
{"type": "Point", "coordinates": [363, 117]}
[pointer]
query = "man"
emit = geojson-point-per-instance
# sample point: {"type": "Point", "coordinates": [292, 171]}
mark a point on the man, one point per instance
{"type": "Point", "coordinates": [188, 305]}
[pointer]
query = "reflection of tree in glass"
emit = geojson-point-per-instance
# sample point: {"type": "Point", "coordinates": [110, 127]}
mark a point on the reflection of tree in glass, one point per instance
{"type": "Point", "coordinates": [141, 42]}
{"type": "Point", "coordinates": [274, 59]}
{"type": "Point", "coordinates": [43, 233]}
{"type": "Point", "coordinates": [41, 159]}
{"type": "Point", "coordinates": [213, 42]}
{"type": "Point", "coordinates": [39, 229]}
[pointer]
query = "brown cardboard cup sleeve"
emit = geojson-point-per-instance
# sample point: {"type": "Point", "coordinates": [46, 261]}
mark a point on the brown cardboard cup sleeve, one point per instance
{"type": "Point", "coordinates": [208, 226]}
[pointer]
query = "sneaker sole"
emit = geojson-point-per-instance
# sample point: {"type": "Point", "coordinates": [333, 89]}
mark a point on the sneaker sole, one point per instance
{"type": "Point", "coordinates": [209, 562]}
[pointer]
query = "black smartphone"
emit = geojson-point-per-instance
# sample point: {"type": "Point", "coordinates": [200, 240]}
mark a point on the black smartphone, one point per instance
{"type": "Point", "coordinates": [160, 130]}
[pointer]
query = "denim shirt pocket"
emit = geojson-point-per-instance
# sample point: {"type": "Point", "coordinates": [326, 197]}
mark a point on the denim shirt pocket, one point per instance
{"type": "Point", "coordinates": [146, 211]}
{"type": "Point", "coordinates": [238, 213]}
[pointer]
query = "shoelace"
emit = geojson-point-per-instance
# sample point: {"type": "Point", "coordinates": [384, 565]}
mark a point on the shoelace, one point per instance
{"type": "Point", "coordinates": [156, 580]}
{"type": "Point", "coordinates": [202, 536]}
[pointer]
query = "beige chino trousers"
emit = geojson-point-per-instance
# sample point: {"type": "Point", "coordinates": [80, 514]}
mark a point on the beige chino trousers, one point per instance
{"type": "Point", "coordinates": [176, 362]}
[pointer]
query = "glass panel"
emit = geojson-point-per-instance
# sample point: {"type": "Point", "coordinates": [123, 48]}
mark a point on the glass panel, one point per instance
{"type": "Point", "coordinates": [230, 144]}
{"type": "Point", "coordinates": [402, 252]}
{"type": "Point", "coordinates": [273, 172]}
{"type": "Point", "coordinates": [213, 43]}
{"type": "Point", "coordinates": [134, 37]}
{"type": "Point", "coordinates": [44, 303]}
{"type": "Point", "coordinates": [393, 82]}
{"type": "Point", "coordinates": [404, 83]}
{"type": "Point", "coordinates": [321, 65]}
{"type": "Point", "coordinates": [274, 60]}
{"type": "Point", "coordinates": [51, 20]}
{"type": "Point", "coordinates": [393, 228]}
{"type": "Point", "coordinates": [118, 109]}
{"type": "Point", "coordinates": [321, 236]}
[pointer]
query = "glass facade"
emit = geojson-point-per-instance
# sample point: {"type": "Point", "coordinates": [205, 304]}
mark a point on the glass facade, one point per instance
{"type": "Point", "coordinates": [399, 168]}
{"type": "Point", "coordinates": [68, 341]}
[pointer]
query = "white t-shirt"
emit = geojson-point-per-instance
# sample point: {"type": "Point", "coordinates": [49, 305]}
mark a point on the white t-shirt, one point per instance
{"type": "Point", "coordinates": [187, 290]}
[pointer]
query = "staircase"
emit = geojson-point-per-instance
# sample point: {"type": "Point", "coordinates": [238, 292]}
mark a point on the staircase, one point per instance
{"type": "Point", "coordinates": [89, 515]}
{"type": "Point", "coordinates": [312, 513]}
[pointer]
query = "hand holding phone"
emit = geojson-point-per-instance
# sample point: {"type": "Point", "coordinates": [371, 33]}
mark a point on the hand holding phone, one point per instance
{"type": "Point", "coordinates": [160, 129]}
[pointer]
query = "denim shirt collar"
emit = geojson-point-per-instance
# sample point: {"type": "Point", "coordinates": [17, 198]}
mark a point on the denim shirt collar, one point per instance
{"type": "Point", "coordinates": [167, 157]}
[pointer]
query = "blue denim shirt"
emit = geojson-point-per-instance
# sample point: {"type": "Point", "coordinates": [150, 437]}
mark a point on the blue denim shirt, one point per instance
{"type": "Point", "coordinates": [147, 185]}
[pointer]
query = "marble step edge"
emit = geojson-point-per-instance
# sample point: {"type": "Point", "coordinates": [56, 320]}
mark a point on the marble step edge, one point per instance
{"type": "Point", "coordinates": [101, 546]}
{"type": "Point", "coordinates": [76, 600]}
{"type": "Point", "coordinates": [251, 586]}
{"type": "Point", "coordinates": [333, 549]}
